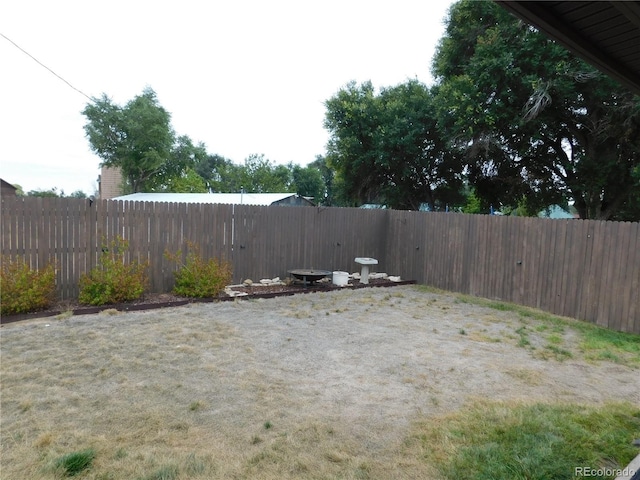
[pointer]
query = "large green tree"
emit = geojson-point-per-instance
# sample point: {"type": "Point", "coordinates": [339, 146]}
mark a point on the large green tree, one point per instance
{"type": "Point", "coordinates": [387, 147]}
{"type": "Point", "coordinates": [216, 170]}
{"type": "Point", "coordinates": [178, 174]}
{"type": "Point", "coordinates": [308, 182]}
{"type": "Point", "coordinates": [261, 175]}
{"type": "Point", "coordinates": [257, 175]}
{"type": "Point", "coordinates": [351, 119]}
{"type": "Point", "coordinates": [534, 122]}
{"type": "Point", "coordinates": [137, 138]}
{"type": "Point", "coordinates": [332, 192]}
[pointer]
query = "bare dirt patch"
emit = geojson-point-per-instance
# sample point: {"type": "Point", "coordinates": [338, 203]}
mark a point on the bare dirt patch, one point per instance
{"type": "Point", "coordinates": [324, 385]}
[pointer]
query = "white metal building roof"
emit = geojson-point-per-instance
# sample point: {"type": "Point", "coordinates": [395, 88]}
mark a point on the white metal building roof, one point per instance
{"type": "Point", "coordinates": [225, 198]}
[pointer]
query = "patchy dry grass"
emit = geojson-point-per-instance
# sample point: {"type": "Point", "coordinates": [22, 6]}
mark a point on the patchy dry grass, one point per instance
{"type": "Point", "coordinates": [557, 337]}
{"type": "Point", "coordinates": [325, 385]}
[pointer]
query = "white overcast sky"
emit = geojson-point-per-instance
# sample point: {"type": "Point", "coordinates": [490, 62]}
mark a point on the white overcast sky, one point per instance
{"type": "Point", "coordinates": [243, 77]}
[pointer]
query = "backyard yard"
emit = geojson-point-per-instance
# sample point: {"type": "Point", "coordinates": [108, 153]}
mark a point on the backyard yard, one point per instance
{"type": "Point", "coordinates": [340, 384]}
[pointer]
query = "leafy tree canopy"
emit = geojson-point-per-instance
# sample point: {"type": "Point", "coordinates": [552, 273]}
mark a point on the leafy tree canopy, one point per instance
{"type": "Point", "coordinates": [533, 121]}
{"type": "Point", "coordinates": [53, 193]}
{"type": "Point", "coordinates": [331, 190]}
{"type": "Point", "coordinates": [257, 175]}
{"type": "Point", "coordinates": [178, 174]}
{"type": "Point", "coordinates": [263, 176]}
{"type": "Point", "coordinates": [308, 182]}
{"type": "Point", "coordinates": [214, 170]}
{"type": "Point", "coordinates": [137, 138]}
{"type": "Point", "coordinates": [387, 147]}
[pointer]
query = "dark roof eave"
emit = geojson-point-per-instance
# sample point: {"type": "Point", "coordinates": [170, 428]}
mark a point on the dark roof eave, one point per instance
{"type": "Point", "coordinates": [542, 16]}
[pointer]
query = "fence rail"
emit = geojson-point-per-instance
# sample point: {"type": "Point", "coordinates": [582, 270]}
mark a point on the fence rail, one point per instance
{"type": "Point", "coordinates": [584, 269]}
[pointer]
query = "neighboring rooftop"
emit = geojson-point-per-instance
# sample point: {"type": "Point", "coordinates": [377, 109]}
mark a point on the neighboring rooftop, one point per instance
{"type": "Point", "coordinates": [6, 189]}
{"type": "Point", "coordinates": [264, 199]}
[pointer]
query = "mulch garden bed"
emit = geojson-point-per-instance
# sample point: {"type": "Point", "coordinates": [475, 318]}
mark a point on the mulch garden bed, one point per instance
{"type": "Point", "coordinates": [163, 300]}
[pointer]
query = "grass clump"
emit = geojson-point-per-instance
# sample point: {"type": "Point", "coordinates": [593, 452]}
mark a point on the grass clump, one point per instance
{"type": "Point", "coordinates": [74, 463]}
{"type": "Point", "coordinates": [198, 277]}
{"type": "Point", "coordinates": [556, 352]}
{"type": "Point", "coordinates": [539, 441]}
{"type": "Point", "coordinates": [195, 465]}
{"type": "Point", "coordinates": [196, 405]}
{"type": "Point", "coordinates": [114, 280]}
{"type": "Point", "coordinates": [23, 290]}
{"type": "Point", "coordinates": [599, 343]}
{"type": "Point", "coordinates": [168, 472]}
{"type": "Point", "coordinates": [524, 337]}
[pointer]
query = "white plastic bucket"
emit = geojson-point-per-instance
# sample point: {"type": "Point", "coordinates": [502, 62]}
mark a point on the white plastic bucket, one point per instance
{"type": "Point", "coordinates": [340, 278]}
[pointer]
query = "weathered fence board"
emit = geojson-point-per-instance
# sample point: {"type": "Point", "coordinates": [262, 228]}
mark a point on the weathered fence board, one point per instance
{"type": "Point", "coordinates": [634, 284]}
{"type": "Point", "coordinates": [584, 269]}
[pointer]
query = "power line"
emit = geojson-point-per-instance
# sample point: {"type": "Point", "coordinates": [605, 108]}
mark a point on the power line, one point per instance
{"type": "Point", "coordinates": [43, 65]}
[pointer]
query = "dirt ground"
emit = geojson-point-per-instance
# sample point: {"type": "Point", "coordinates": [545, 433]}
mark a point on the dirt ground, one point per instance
{"type": "Point", "coordinates": [344, 373]}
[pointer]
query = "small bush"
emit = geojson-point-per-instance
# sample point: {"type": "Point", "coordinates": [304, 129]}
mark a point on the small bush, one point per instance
{"type": "Point", "coordinates": [23, 290]}
{"type": "Point", "coordinates": [76, 462]}
{"type": "Point", "coordinates": [115, 280]}
{"type": "Point", "coordinates": [198, 277]}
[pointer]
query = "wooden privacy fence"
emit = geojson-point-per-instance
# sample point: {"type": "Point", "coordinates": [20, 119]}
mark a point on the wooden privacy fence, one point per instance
{"type": "Point", "coordinates": [583, 269]}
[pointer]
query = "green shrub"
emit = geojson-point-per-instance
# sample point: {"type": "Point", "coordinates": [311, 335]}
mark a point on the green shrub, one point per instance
{"type": "Point", "coordinates": [23, 290]}
{"type": "Point", "coordinates": [114, 280]}
{"type": "Point", "coordinates": [76, 462]}
{"type": "Point", "coordinates": [198, 277]}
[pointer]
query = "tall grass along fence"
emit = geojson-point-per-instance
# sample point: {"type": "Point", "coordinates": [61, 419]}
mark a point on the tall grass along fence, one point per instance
{"type": "Point", "coordinates": [588, 270]}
